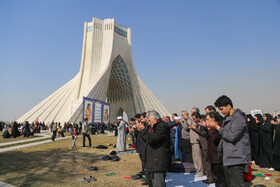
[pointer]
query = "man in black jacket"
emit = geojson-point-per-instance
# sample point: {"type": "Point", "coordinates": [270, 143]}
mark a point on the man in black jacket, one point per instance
{"type": "Point", "coordinates": [158, 156]}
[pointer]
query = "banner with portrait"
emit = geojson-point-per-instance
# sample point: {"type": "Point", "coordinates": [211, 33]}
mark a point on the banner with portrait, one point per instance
{"type": "Point", "coordinates": [106, 113]}
{"type": "Point", "coordinates": [87, 109]}
{"type": "Point", "coordinates": [96, 111]}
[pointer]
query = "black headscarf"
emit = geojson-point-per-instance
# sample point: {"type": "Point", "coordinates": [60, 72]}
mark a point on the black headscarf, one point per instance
{"type": "Point", "coordinates": [259, 118]}
{"type": "Point", "coordinates": [268, 118]}
{"type": "Point", "coordinates": [252, 120]}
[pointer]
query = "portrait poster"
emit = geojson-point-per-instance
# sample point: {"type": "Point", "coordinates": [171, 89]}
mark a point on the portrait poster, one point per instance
{"type": "Point", "coordinates": [88, 110]}
{"type": "Point", "coordinates": [97, 112]}
{"type": "Point", "coordinates": [106, 113]}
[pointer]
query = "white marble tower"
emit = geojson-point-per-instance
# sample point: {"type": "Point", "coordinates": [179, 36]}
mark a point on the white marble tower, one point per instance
{"type": "Point", "coordinates": [106, 73]}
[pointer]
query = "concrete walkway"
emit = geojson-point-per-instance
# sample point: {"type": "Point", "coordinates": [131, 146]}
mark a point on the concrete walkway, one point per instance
{"type": "Point", "coordinates": [42, 136]}
{"type": "Point", "coordinates": [2, 184]}
{"type": "Point", "coordinates": [31, 144]}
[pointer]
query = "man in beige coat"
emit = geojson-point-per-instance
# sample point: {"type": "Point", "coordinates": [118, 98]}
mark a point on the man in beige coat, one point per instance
{"type": "Point", "coordinates": [53, 129]}
{"type": "Point", "coordinates": [194, 139]}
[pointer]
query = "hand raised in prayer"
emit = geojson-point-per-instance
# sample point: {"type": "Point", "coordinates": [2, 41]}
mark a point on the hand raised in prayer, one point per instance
{"type": "Point", "coordinates": [213, 125]}
{"type": "Point", "coordinates": [273, 122]}
{"type": "Point", "coordinates": [139, 126]}
{"type": "Point", "coordinates": [202, 123]}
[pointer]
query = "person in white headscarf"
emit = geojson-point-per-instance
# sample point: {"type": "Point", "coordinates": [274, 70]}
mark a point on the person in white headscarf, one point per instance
{"type": "Point", "coordinates": [121, 142]}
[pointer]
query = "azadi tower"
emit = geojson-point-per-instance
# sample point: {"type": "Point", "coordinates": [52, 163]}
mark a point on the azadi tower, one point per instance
{"type": "Point", "coordinates": [107, 73]}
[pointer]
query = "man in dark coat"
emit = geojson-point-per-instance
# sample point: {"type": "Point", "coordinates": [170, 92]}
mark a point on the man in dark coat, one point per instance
{"type": "Point", "coordinates": [235, 142]}
{"type": "Point", "coordinates": [158, 156]}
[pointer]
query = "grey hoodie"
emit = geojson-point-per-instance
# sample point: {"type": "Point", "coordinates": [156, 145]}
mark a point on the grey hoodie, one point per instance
{"type": "Point", "coordinates": [235, 143]}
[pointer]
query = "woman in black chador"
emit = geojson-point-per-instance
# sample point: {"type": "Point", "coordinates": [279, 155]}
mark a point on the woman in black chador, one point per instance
{"type": "Point", "coordinates": [27, 132]}
{"type": "Point", "coordinates": [276, 149]}
{"type": "Point", "coordinates": [254, 137]}
{"type": "Point", "coordinates": [15, 132]}
{"type": "Point", "coordinates": [266, 142]}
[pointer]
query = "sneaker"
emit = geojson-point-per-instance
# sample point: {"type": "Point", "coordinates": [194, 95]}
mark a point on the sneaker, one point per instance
{"type": "Point", "coordinates": [84, 180]}
{"type": "Point", "coordinates": [91, 178]}
{"type": "Point", "coordinates": [271, 169]}
{"type": "Point", "coordinates": [200, 178]}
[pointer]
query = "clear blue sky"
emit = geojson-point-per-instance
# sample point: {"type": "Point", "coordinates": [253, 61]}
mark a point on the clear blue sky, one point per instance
{"type": "Point", "coordinates": [187, 52]}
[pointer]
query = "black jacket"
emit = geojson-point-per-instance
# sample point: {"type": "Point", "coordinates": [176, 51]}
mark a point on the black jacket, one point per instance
{"type": "Point", "coordinates": [158, 156]}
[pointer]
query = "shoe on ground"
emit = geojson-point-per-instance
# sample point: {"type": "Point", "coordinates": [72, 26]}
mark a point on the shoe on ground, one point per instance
{"type": "Point", "coordinates": [271, 169]}
{"type": "Point", "coordinates": [145, 183]}
{"type": "Point", "coordinates": [136, 177]}
{"type": "Point", "coordinates": [84, 180]}
{"type": "Point", "coordinates": [91, 178]}
{"type": "Point", "coordinates": [92, 168]}
{"type": "Point", "coordinates": [106, 157]}
{"type": "Point", "coordinates": [200, 178]}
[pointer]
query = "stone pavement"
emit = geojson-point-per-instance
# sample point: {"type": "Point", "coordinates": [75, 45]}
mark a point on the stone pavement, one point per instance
{"type": "Point", "coordinates": [2, 184]}
{"type": "Point", "coordinates": [44, 136]}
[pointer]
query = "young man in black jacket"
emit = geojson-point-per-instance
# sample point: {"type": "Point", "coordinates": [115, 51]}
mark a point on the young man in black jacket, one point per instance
{"type": "Point", "coordinates": [158, 156]}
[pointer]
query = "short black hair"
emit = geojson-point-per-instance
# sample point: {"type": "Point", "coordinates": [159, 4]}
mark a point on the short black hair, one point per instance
{"type": "Point", "coordinates": [144, 114]}
{"type": "Point", "coordinates": [223, 101]}
{"type": "Point", "coordinates": [174, 114]}
{"type": "Point", "coordinates": [197, 115]}
{"type": "Point", "coordinates": [132, 119]}
{"type": "Point", "coordinates": [215, 115]}
{"type": "Point", "coordinates": [203, 117]}
{"type": "Point", "coordinates": [167, 117]}
{"type": "Point", "coordinates": [210, 108]}
{"type": "Point", "coordinates": [138, 116]}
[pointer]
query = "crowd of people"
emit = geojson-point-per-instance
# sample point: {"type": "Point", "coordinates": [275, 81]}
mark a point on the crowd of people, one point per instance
{"type": "Point", "coordinates": [15, 129]}
{"type": "Point", "coordinates": [221, 145]}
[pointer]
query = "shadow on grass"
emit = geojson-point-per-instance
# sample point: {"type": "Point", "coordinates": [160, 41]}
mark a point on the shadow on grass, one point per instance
{"type": "Point", "coordinates": [41, 167]}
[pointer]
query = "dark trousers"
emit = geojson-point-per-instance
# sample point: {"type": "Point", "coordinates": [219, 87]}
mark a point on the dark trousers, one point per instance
{"type": "Point", "coordinates": [84, 139]}
{"type": "Point", "coordinates": [218, 175]}
{"type": "Point", "coordinates": [206, 165]}
{"type": "Point", "coordinates": [148, 174]}
{"type": "Point", "coordinates": [158, 178]}
{"type": "Point", "coordinates": [54, 135]}
{"type": "Point", "coordinates": [187, 147]}
{"type": "Point", "coordinates": [235, 175]}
